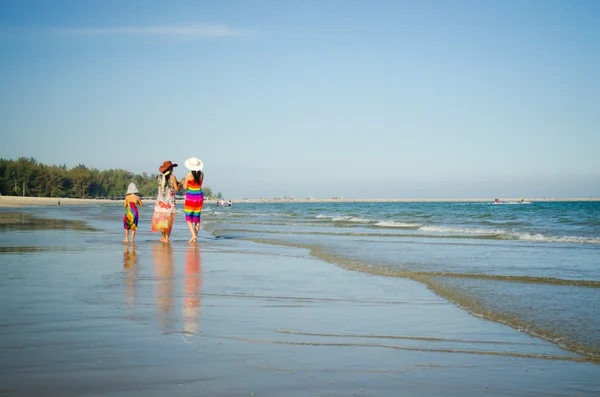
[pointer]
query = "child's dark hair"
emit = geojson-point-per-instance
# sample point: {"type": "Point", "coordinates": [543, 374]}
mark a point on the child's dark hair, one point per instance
{"type": "Point", "coordinates": [198, 176]}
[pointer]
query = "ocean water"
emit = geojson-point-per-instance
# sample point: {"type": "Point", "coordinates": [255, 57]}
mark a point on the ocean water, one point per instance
{"type": "Point", "coordinates": [534, 266]}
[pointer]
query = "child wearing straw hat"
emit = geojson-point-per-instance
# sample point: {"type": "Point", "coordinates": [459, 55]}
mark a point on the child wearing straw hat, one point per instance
{"type": "Point", "coordinates": [130, 220]}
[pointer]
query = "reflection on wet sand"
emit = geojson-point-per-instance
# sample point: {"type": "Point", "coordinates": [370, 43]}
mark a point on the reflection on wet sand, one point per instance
{"type": "Point", "coordinates": [162, 255]}
{"type": "Point", "coordinates": [22, 221]}
{"type": "Point", "coordinates": [130, 270]}
{"type": "Point", "coordinates": [192, 287]}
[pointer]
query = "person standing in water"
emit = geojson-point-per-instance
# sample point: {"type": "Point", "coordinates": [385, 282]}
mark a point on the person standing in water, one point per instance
{"type": "Point", "coordinates": [164, 209]}
{"type": "Point", "coordinates": [193, 197]}
{"type": "Point", "coordinates": [130, 220]}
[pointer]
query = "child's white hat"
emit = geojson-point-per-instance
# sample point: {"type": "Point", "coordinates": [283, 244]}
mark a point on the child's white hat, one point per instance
{"type": "Point", "coordinates": [132, 188]}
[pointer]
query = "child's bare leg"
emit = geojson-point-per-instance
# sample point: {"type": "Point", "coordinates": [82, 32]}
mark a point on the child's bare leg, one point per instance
{"type": "Point", "coordinates": [197, 228]}
{"type": "Point", "coordinates": [192, 231]}
{"type": "Point", "coordinates": [132, 235]}
{"type": "Point", "coordinates": [164, 237]}
{"type": "Point", "coordinates": [126, 235]}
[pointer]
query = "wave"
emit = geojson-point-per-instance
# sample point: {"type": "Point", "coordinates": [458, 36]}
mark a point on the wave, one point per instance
{"type": "Point", "coordinates": [393, 224]}
{"type": "Point", "coordinates": [435, 232]}
{"type": "Point", "coordinates": [350, 218]}
{"type": "Point", "coordinates": [374, 222]}
{"type": "Point", "coordinates": [503, 234]}
{"type": "Point", "coordinates": [462, 230]}
{"type": "Point", "coordinates": [556, 239]}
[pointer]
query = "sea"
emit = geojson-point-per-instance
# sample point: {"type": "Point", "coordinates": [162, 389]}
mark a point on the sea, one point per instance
{"type": "Point", "coordinates": [534, 266]}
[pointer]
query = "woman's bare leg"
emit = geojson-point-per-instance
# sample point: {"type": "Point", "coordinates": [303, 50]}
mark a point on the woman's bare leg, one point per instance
{"type": "Point", "coordinates": [192, 231]}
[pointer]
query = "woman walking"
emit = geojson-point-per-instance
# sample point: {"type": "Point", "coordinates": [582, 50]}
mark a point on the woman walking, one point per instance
{"type": "Point", "coordinates": [193, 197]}
{"type": "Point", "coordinates": [164, 209]}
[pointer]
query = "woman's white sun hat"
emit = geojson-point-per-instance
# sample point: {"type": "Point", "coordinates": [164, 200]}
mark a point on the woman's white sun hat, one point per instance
{"type": "Point", "coordinates": [132, 188]}
{"type": "Point", "coordinates": [194, 164]}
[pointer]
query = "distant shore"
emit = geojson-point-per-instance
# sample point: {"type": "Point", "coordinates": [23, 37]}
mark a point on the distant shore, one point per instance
{"type": "Point", "coordinates": [18, 201]}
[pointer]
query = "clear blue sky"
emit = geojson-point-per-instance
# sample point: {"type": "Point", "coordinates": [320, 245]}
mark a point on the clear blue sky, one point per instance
{"type": "Point", "coordinates": [361, 99]}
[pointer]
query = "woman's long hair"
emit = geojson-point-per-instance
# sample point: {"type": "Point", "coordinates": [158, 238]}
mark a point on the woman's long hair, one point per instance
{"type": "Point", "coordinates": [198, 176]}
{"type": "Point", "coordinates": [166, 175]}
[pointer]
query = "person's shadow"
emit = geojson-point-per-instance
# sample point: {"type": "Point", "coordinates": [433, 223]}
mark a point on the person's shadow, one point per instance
{"type": "Point", "coordinates": [192, 290]}
{"type": "Point", "coordinates": [162, 256]}
{"type": "Point", "coordinates": [130, 266]}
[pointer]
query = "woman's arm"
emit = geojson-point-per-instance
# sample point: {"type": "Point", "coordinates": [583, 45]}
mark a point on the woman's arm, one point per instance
{"type": "Point", "coordinates": [186, 181]}
{"type": "Point", "coordinates": [175, 182]}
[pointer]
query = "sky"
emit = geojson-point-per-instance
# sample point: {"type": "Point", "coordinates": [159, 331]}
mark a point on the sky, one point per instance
{"type": "Point", "coordinates": [312, 98]}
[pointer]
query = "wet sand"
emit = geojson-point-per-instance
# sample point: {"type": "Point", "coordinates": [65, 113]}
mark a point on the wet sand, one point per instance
{"type": "Point", "coordinates": [87, 315]}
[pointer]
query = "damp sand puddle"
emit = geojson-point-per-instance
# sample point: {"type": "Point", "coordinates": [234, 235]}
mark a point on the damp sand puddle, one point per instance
{"type": "Point", "coordinates": [230, 317]}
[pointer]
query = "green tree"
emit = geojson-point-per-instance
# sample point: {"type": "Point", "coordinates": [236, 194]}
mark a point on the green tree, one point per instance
{"type": "Point", "coordinates": [56, 181]}
{"type": "Point", "coordinates": [207, 192]}
{"type": "Point", "coordinates": [82, 180]}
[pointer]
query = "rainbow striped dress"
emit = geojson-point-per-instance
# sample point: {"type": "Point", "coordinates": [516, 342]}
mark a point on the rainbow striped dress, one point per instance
{"type": "Point", "coordinates": [130, 220]}
{"type": "Point", "coordinates": [193, 202]}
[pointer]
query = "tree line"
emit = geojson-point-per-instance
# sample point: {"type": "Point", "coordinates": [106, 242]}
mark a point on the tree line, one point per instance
{"type": "Point", "coordinates": [27, 177]}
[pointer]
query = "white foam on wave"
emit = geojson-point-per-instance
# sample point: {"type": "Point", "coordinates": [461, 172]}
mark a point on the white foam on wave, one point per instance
{"type": "Point", "coordinates": [396, 224]}
{"type": "Point", "coordinates": [324, 217]}
{"type": "Point", "coordinates": [556, 239]}
{"type": "Point", "coordinates": [508, 235]}
{"type": "Point", "coordinates": [462, 230]}
{"type": "Point", "coordinates": [273, 214]}
{"type": "Point", "coordinates": [349, 218]}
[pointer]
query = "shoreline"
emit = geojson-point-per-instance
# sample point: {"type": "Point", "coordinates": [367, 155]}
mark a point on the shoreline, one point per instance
{"type": "Point", "coordinates": [18, 201]}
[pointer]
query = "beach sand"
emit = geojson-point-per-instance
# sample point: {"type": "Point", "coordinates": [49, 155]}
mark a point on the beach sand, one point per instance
{"type": "Point", "coordinates": [83, 314]}
{"type": "Point", "coordinates": [18, 201]}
